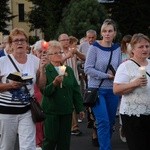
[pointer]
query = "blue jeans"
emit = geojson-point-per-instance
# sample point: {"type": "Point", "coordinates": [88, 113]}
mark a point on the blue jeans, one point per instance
{"type": "Point", "coordinates": [105, 113]}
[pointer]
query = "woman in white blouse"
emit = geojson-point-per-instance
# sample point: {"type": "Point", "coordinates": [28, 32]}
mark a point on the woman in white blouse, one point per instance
{"type": "Point", "coordinates": [133, 82]}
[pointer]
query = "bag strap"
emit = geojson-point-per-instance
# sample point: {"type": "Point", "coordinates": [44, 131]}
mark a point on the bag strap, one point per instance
{"type": "Point", "coordinates": [139, 66]}
{"type": "Point", "coordinates": [110, 58]}
{"type": "Point", "coordinates": [18, 71]}
{"type": "Point", "coordinates": [13, 63]}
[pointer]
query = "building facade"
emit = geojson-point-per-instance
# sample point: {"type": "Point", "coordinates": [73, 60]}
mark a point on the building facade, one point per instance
{"type": "Point", "coordinates": [20, 9]}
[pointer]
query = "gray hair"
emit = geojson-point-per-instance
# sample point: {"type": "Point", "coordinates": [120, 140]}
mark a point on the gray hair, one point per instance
{"type": "Point", "coordinates": [91, 31]}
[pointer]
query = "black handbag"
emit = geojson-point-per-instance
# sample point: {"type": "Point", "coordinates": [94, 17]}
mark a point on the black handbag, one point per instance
{"type": "Point", "coordinates": [90, 96]}
{"type": "Point", "coordinates": [37, 112]}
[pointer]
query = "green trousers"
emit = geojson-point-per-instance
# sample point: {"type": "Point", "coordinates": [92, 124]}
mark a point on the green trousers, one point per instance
{"type": "Point", "coordinates": [57, 132]}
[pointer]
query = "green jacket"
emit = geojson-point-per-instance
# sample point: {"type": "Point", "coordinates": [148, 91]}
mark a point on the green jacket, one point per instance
{"type": "Point", "coordinates": [63, 100]}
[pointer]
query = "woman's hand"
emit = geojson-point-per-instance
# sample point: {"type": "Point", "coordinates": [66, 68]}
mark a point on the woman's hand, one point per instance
{"type": "Point", "coordinates": [126, 88]}
{"type": "Point", "coordinates": [73, 50]}
{"type": "Point", "coordinates": [43, 62]}
{"type": "Point", "coordinates": [69, 54]}
{"type": "Point", "coordinates": [58, 80]}
{"type": "Point", "coordinates": [110, 76]}
{"type": "Point", "coordinates": [142, 81]}
{"type": "Point", "coordinates": [41, 75]}
{"type": "Point", "coordinates": [15, 85]}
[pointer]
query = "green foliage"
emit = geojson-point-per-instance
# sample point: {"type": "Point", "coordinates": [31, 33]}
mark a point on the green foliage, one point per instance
{"type": "Point", "coordinates": [37, 16]}
{"type": "Point", "coordinates": [33, 39]}
{"type": "Point", "coordinates": [75, 17]}
{"type": "Point", "coordinates": [46, 16]}
{"type": "Point", "coordinates": [80, 16]}
{"type": "Point", "coordinates": [132, 16]}
{"type": "Point", "coordinates": [5, 15]}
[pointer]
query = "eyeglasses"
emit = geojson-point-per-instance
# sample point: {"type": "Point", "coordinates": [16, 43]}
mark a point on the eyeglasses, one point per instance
{"type": "Point", "coordinates": [56, 53]}
{"type": "Point", "coordinates": [22, 41]}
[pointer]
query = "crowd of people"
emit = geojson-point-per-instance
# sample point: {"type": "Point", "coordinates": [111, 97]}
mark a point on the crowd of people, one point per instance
{"type": "Point", "coordinates": [61, 70]}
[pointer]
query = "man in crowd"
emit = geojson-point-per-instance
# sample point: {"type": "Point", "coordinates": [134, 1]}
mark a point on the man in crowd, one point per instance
{"type": "Point", "coordinates": [90, 38]}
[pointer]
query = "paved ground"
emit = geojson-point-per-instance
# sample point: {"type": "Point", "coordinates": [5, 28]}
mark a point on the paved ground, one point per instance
{"type": "Point", "coordinates": [84, 142]}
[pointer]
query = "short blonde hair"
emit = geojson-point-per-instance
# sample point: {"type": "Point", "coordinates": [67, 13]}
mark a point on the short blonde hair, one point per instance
{"type": "Point", "coordinates": [17, 31]}
{"type": "Point", "coordinates": [136, 38]}
{"type": "Point", "coordinates": [108, 22]}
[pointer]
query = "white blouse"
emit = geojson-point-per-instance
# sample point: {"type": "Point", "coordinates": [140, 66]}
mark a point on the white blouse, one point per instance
{"type": "Point", "coordinates": [138, 101]}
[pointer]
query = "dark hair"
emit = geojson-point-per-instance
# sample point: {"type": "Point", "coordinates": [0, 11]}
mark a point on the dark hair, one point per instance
{"type": "Point", "coordinates": [72, 40]}
{"type": "Point", "coordinates": [126, 39]}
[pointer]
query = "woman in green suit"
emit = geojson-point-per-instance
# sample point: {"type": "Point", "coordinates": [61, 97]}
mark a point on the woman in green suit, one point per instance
{"type": "Point", "coordinates": [60, 95]}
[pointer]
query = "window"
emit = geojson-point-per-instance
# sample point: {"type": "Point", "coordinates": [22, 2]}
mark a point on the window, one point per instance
{"type": "Point", "coordinates": [21, 12]}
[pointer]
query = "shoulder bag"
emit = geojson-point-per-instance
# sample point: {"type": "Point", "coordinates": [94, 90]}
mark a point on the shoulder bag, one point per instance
{"type": "Point", "coordinates": [37, 112]}
{"type": "Point", "coordinates": [90, 96]}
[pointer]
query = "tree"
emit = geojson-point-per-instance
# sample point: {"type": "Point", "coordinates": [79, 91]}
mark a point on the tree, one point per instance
{"type": "Point", "coordinates": [132, 16]}
{"type": "Point", "coordinates": [5, 16]}
{"type": "Point", "coordinates": [80, 16]}
{"type": "Point", "coordinates": [46, 15]}
{"type": "Point", "coordinates": [37, 16]}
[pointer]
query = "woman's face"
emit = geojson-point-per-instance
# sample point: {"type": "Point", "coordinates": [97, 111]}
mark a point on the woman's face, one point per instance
{"type": "Point", "coordinates": [108, 33]}
{"type": "Point", "coordinates": [19, 44]}
{"type": "Point", "coordinates": [55, 55]}
{"type": "Point", "coordinates": [141, 49]}
{"type": "Point", "coordinates": [73, 45]}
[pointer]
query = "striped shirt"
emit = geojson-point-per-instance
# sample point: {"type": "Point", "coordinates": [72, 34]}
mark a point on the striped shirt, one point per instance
{"type": "Point", "coordinates": [11, 101]}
